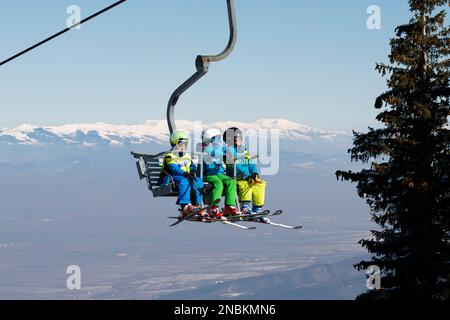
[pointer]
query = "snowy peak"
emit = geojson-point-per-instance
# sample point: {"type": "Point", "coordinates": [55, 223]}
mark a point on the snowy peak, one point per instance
{"type": "Point", "coordinates": [152, 131]}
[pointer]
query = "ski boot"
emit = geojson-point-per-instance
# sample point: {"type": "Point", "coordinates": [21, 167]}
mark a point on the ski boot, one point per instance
{"type": "Point", "coordinates": [230, 211]}
{"type": "Point", "coordinates": [190, 209]}
{"type": "Point", "coordinates": [245, 209]}
{"type": "Point", "coordinates": [257, 210]}
{"type": "Point", "coordinates": [215, 213]}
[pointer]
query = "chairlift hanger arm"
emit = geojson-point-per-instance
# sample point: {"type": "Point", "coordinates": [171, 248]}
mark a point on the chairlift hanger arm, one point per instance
{"type": "Point", "coordinates": [202, 64]}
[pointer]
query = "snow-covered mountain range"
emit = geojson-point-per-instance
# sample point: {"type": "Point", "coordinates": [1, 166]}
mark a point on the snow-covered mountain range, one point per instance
{"type": "Point", "coordinates": [152, 131]}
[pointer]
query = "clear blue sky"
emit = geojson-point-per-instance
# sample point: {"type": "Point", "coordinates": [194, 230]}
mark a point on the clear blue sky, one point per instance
{"type": "Point", "coordinates": [308, 61]}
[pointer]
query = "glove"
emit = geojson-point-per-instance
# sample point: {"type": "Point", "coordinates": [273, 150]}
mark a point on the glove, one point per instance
{"type": "Point", "coordinates": [254, 178]}
{"type": "Point", "coordinates": [187, 175]}
{"type": "Point", "coordinates": [190, 176]}
{"type": "Point", "coordinates": [258, 180]}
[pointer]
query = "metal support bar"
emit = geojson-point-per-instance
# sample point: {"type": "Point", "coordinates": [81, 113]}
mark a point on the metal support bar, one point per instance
{"type": "Point", "coordinates": [202, 64]}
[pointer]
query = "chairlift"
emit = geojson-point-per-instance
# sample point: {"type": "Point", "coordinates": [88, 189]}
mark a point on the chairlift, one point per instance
{"type": "Point", "coordinates": [149, 166]}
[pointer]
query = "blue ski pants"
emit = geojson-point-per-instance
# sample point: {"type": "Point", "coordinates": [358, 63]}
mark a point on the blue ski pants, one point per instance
{"type": "Point", "coordinates": [185, 187]}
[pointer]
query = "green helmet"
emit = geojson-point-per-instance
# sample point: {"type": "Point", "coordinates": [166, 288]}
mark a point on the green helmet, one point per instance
{"type": "Point", "coordinates": [178, 136]}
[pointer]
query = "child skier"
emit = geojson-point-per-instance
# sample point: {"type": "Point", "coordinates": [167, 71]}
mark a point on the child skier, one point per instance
{"type": "Point", "coordinates": [215, 174]}
{"type": "Point", "coordinates": [178, 168]}
{"type": "Point", "coordinates": [251, 189]}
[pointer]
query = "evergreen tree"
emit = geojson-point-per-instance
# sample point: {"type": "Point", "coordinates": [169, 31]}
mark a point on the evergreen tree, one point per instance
{"type": "Point", "coordinates": [407, 184]}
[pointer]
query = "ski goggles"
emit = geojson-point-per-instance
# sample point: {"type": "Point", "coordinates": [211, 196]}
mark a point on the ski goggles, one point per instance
{"type": "Point", "coordinates": [183, 142]}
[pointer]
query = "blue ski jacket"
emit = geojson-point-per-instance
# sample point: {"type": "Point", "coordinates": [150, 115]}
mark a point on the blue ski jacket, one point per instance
{"type": "Point", "coordinates": [176, 165]}
{"type": "Point", "coordinates": [244, 166]}
{"type": "Point", "coordinates": [213, 160]}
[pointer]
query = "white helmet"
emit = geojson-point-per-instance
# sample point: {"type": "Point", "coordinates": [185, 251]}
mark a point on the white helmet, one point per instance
{"type": "Point", "coordinates": [209, 134]}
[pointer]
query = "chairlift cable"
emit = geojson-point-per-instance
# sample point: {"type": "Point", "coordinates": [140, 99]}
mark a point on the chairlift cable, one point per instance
{"type": "Point", "coordinates": [62, 32]}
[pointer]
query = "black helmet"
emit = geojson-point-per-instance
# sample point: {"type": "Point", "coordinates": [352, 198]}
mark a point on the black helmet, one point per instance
{"type": "Point", "coordinates": [231, 134]}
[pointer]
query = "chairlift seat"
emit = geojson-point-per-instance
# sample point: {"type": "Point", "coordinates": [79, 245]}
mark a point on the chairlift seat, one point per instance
{"type": "Point", "coordinates": [149, 168]}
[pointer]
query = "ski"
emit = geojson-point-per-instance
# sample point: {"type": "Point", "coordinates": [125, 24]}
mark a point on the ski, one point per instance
{"type": "Point", "coordinates": [224, 221]}
{"type": "Point", "coordinates": [244, 217]}
{"type": "Point", "coordinates": [189, 216]}
{"type": "Point", "coordinates": [250, 217]}
{"type": "Point", "coordinates": [268, 222]}
{"type": "Point", "coordinates": [231, 221]}
{"type": "Point", "coordinates": [277, 213]}
{"type": "Point", "coordinates": [237, 225]}
{"type": "Point", "coordinates": [263, 219]}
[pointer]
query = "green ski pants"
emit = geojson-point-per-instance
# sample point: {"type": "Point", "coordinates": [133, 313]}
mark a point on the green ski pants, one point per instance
{"type": "Point", "coordinates": [219, 182]}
